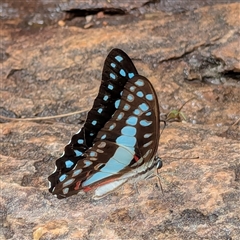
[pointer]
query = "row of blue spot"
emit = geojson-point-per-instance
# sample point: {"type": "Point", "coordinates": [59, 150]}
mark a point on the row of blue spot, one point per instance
{"type": "Point", "coordinates": [122, 73]}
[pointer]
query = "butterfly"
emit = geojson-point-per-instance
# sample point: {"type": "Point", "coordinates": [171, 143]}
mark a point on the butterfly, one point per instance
{"type": "Point", "coordinates": [119, 139]}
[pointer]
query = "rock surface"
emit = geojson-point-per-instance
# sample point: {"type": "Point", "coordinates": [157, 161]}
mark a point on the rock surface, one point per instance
{"type": "Point", "coordinates": [57, 70]}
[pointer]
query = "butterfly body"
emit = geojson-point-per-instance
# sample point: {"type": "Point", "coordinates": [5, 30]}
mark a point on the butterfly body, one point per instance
{"type": "Point", "coordinates": [119, 139]}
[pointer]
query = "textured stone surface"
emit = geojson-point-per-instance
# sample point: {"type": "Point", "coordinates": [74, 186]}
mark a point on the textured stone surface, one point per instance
{"type": "Point", "coordinates": [58, 70]}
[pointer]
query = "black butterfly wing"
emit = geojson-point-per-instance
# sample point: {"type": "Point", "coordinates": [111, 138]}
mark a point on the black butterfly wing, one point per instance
{"type": "Point", "coordinates": [118, 69]}
{"type": "Point", "coordinates": [128, 142]}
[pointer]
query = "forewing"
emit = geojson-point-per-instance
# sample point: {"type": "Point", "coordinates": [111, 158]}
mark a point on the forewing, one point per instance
{"type": "Point", "coordinates": [118, 69]}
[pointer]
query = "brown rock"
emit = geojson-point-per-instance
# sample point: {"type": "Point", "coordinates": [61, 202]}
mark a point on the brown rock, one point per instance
{"type": "Point", "coordinates": [58, 69]}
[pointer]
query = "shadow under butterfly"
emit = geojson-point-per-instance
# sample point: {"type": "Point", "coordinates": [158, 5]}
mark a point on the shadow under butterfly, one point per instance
{"type": "Point", "coordinates": [119, 139]}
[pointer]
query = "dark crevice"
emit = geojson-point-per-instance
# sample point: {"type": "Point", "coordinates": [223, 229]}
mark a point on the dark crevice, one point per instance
{"type": "Point", "coordinates": [232, 74]}
{"type": "Point", "coordinates": [151, 2]}
{"type": "Point", "coordinates": [73, 13]}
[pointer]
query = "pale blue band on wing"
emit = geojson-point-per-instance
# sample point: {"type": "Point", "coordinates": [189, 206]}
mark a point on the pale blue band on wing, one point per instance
{"type": "Point", "coordinates": [121, 158]}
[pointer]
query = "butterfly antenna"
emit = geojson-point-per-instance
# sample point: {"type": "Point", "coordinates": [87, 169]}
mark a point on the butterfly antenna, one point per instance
{"type": "Point", "coordinates": [182, 158]}
{"type": "Point", "coordinates": [159, 181]}
{"type": "Point", "coordinates": [236, 122]}
{"type": "Point", "coordinates": [165, 124]}
{"type": "Point", "coordinates": [186, 103]}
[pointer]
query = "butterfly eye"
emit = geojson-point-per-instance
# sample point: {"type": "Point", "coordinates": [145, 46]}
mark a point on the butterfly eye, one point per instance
{"type": "Point", "coordinates": [159, 162]}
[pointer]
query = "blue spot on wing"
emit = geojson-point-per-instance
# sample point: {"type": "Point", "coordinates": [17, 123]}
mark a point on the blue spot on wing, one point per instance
{"type": "Point", "coordinates": [130, 97]}
{"type": "Point", "coordinates": [68, 164]}
{"type": "Point", "coordinates": [113, 76]}
{"type": "Point", "coordinates": [126, 107]}
{"type": "Point", "coordinates": [65, 190]}
{"type": "Point", "coordinates": [144, 107]}
{"type": "Point", "coordinates": [147, 135]}
{"type": "Point", "coordinates": [103, 136]}
{"type": "Point", "coordinates": [132, 120]}
{"type": "Point", "coordinates": [132, 88]}
{"type": "Point", "coordinates": [117, 104]}
{"type": "Point", "coordinates": [120, 116]}
{"type": "Point", "coordinates": [105, 98]}
{"type": "Point", "coordinates": [149, 97]}
{"type": "Point", "coordinates": [137, 112]}
{"type": "Point", "coordinates": [94, 122]}
{"type": "Point", "coordinates": [131, 75]}
{"type": "Point", "coordinates": [87, 163]}
{"type": "Point", "coordinates": [62, 177]}
{"type": "Point", "coordinates": [123, 73]}
{"type": "Point", "coordinates": [128, 130]}
{"type": "Point", "coordinates": [110, 86]}
{"type": "Point", "coordinates": [100, 110]}
{"type": "Point", "coordinates": [78, 153]}
{"type": "Point", "coordinates": [92, 154]}
{"type": "Point", "coordinates": [145, 123]}
{"type": "Point", "coordinates": [119, 58]}
{"type": "Point", "coordinates": [76, 172]}
{"type": "Point", "coordinates": [113, 65]}
{"type": "Point", "coordinates": [112, 127]}
{"type": "Point", "coordinates": [127, 141]}
{"type": "Point", "coordinates": [139, 82]}
{"type": "Point", "coordinates": [68, 182]}
{"type": "Point", "coordinates": [140, 94]}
